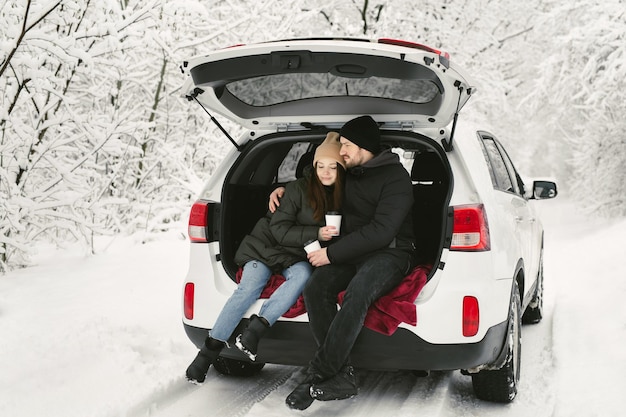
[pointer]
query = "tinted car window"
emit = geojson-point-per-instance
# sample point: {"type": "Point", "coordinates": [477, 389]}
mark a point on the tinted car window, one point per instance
{"type": "Point", "coordinates": [497, 167]}
{"type": "Point", "coordinates": [518, 184]}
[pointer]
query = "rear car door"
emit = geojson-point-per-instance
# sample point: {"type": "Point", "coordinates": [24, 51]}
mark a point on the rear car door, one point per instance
{"type": "Point", "coordinates": [291, 84]}
{"type": "Point", "coordinates": [512, 208]}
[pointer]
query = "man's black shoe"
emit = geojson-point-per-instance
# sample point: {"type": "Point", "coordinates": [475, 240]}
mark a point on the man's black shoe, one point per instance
{"type": "Point", "coordinates": [341, 386]}
{"type": "Point", "coordinates": [300, 398]}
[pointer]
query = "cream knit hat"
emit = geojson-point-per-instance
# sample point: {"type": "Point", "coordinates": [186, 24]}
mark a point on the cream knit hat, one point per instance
{"type": "Point", "coordinates": [329, 149]}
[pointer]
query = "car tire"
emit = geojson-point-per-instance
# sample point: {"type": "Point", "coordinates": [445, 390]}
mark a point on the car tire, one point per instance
{"type": "Point", "coordinates": [500, 385]}
{"type": "Point", "coordinates": [534, 312]}
{"type": "Point", "coordinates": [234, 367]}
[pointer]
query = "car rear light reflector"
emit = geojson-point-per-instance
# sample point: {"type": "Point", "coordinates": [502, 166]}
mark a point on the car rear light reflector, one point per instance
{"type": "Point", "coordinates": [188, 300]}
{"type": "Point", "coordinates": [471, 316]}
{"type": "Point", "coordinates": [197, 228]}
{"type": "Point", "coordinates": [471, 230]}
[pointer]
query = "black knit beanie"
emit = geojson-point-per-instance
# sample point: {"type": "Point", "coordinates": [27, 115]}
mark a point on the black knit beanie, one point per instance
{"type": "Point", "coordinates": [363, 132]}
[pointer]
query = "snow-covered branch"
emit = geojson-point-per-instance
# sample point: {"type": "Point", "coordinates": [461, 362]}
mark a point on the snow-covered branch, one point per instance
{"type": "Point", "coordinates": [94, 137]}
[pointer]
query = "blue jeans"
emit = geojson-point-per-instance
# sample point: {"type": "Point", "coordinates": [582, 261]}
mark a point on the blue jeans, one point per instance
{"type": "Point", "coordinates": [336, 331]}
{"type": "Point", "coordinates": [253, 279]}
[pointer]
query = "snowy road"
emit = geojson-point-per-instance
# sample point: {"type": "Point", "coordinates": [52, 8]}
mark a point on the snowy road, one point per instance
{"type": "Point", "coordinates": [439, 394]}
{"type": "Point", "coordinates": [443, 394]}
{"type": "Point", "coordinates": [101, 336]}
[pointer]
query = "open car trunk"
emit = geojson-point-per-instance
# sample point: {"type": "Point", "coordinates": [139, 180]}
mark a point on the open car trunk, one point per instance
{"type": "Point", "coordinates": [275, 159]}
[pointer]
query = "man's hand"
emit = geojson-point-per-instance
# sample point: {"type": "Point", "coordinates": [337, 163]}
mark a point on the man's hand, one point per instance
{"type": "Point", "coordinates": [275, 197]}
{"type": "Point", "coordinates": [318, 258]}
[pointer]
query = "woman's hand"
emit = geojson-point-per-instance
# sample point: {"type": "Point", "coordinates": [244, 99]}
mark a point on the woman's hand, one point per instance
{"type": "Point", "coordinates": [326, 233]}
{"type": "Point", "coordinates": [275, 197]}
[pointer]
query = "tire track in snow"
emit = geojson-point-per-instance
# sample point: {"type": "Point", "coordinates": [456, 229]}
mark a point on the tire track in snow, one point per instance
{"type": "Point", "coordinates": [402, 391]}
{"type": "Point", "coordinates": [379, 394]}
{"type": "Point", "coordinates": [257, 393]}
{"type": "Point", "coordinates": [429, 395]}
{"type": "Point", "coordinates": [162, 398]}
{"type": "Point", "coordinates": [553, 271]}
{"type": "Point", "coordinates": [219, 395]}
{"type": "Point", "coordinates": [545, 368]}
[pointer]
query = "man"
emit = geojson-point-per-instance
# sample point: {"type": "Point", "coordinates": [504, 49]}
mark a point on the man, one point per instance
{"type": "Point", "coordinates": [372, 257]}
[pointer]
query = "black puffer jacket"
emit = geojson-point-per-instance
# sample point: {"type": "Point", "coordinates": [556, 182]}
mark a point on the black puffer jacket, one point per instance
{"type": "Point", "coordinates": [278, 240]}
{"type": "Point", "coordinates": [376, 213]}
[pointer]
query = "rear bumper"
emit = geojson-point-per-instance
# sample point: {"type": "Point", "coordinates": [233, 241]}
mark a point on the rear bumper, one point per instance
{"type": "Point", "coordinates": [291, 343]}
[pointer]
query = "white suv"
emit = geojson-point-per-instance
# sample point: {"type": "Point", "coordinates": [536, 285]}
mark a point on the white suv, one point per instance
{"type": "Point", "coordinates": [472, 216]}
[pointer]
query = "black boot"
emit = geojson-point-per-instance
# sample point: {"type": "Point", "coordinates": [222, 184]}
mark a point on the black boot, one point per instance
{"type": "Point", "coordinates": [248, 341]}
{"type": "Point", "coordinates": [196, 372]}
{"type": "Point", "coordinates": [300, 398]}
{"type": "Point", "coordinates": [341, 386]}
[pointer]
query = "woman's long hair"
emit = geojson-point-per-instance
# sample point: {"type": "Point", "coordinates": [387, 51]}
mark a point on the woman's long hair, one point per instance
{"type": "Point", "coordinates": [322, 201]}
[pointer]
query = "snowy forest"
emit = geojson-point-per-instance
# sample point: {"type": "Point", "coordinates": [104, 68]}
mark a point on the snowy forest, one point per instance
{"type": "Point", "coordinates": [96, 138]}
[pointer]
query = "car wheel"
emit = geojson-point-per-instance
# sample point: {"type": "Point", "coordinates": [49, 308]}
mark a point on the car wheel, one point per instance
{"type": "Point", "coordinates": [534, 311]}
{"type": "Point", "coordinates": [500, 385]}
{"type": "Point", "coordinates": [234, 367]}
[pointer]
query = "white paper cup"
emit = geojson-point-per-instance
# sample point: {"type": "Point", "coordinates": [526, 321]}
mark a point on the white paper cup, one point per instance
{"type": "Point", "coordinates": [334, 219]}
{"type": "Point", "coordinates": [312, 246]}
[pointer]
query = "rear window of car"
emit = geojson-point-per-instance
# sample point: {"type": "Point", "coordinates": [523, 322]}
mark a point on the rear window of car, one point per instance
{"type": "Point", "coordinates": [274, 89]}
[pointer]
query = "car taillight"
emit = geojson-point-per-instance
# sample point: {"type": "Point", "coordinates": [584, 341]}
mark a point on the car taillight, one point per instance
{"type": "Point", "coordinates": [471, 230]}
{"type": "Point", "coordinates": [198, 221]}
{"type": "Point", "coordinates": [471, 316]}
{"type": "Point", "coordinates": [188, 300]}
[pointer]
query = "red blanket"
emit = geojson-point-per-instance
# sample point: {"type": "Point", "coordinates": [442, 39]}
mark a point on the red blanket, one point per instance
{"type": "Point", "coordinates": [385, 315]}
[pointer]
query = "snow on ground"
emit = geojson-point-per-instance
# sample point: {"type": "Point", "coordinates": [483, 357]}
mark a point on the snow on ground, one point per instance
{"type": "Point", "coordinates": [101, 335]}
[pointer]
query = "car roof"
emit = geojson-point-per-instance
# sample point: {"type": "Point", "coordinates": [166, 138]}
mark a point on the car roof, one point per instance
{"type": "Point", "coordinates": [302, 82]}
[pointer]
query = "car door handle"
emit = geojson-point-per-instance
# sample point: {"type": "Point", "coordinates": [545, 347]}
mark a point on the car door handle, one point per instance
{"type": "Point", "coordinates": [519, 219]}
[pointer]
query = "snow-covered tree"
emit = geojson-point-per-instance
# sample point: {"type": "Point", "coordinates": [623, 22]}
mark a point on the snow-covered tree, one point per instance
{"type": "Point", "coordinates": [95, 137]}
{"type": "Point", "coordinates": [86, 92]}
{"type": "Point", "coordinates": [44, 157]}
{"type": "Point", "coordinates": [580, 98]}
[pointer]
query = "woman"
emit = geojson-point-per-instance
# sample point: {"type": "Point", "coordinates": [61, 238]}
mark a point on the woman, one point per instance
{"type": "Point", "coordinates": [275, 245]}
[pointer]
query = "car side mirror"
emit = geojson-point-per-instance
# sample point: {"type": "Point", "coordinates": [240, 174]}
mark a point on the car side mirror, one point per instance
{"type": "Point", "coordinates": [543, 190]}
